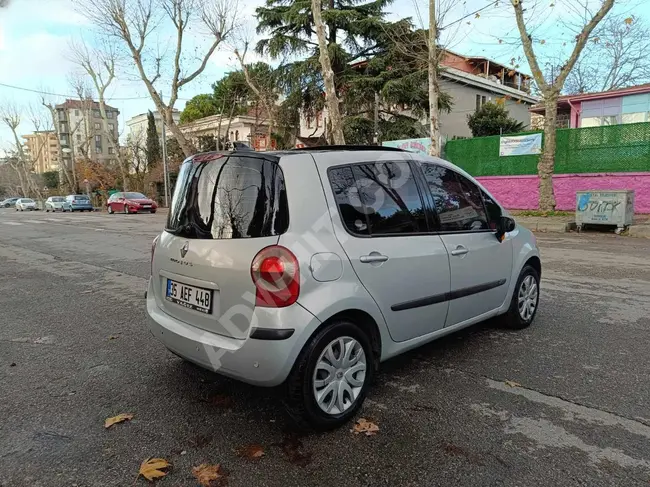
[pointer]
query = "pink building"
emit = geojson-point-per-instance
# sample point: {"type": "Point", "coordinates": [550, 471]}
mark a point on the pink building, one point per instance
{"type": "Point", "coordinates": [625, 105]}
{"type": "Point", "coordinates": [615, 107]}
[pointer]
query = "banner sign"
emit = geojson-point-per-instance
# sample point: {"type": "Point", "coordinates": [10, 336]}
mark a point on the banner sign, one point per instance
{"type": "Point", "coordinates": [520, 145]}
{"type": "Point", "coordinates": [419, 146]}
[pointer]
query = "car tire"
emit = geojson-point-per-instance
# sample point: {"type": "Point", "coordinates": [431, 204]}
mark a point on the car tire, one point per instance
{"type": "Point", "coordinates": [527, 289]}
{"type": "Point", "coordinates": [153, 211]}
{"type": "Point", "coordinates": [301, 402]}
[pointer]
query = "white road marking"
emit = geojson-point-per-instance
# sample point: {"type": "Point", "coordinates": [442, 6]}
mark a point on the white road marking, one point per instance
{"type": "Point", "coordinates": [12, 223]}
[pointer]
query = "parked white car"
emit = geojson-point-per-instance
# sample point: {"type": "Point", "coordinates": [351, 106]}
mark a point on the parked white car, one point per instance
{"type": "Point", "coordinates": [55, 203]}
{"type": "Point", "coordinates": [310, 267]}
{"type": "Point", "coordinates": [26, 204]}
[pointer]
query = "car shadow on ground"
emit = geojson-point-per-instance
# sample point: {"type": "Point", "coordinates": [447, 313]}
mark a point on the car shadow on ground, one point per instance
{"type": "Point", "coordinates": [262, 408]}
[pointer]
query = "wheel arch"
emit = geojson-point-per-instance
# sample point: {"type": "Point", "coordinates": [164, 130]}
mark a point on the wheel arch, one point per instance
{"type": "Point", "coordinates": [365, 322]}
{"type": "Point", "coordinates": [536, 264]}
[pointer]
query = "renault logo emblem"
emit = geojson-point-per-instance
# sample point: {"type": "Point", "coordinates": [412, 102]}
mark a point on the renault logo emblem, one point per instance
{"type": "Point", "coordinates": [184, 249]}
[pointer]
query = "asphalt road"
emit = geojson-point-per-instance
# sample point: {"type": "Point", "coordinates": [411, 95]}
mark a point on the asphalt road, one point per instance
{"type": "Point", "coordinates": [75, 349]}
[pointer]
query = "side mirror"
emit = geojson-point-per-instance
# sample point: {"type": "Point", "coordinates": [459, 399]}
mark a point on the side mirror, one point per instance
{"type": "Point", "coordinates": [505, 225]}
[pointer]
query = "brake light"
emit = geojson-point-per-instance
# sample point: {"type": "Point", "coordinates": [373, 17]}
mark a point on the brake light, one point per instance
{"type": "Point", "coordinates": [153, 250]}
{"type": "Point", "coordinates": [276, 276]}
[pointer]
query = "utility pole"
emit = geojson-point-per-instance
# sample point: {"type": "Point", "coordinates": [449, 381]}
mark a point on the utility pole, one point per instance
{"type": "Point", "coordinates": [164, 157]}
{"type": "Point", "coordinates": [375, 137]}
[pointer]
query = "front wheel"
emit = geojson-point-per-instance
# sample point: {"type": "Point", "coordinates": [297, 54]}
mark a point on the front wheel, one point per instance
{"type": "Point", "coordinates": [525, 299]}
{"type": "Point", "coordinates": [331, 377]}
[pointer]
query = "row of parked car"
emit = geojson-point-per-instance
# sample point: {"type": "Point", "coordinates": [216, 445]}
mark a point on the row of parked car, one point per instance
{"type": "Point", "coordinates": [122, 202]}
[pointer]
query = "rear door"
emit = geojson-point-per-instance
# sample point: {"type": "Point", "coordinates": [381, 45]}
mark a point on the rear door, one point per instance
{"type": "Point", "coordinates": [225, 209]}
{"type": "Point", "coordinates": [382, 226]}
{"type": "Point", "coordinates": [481, 266]}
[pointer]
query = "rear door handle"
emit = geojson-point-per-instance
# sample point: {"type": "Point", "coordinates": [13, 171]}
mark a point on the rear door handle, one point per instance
{"type": "Point", "coordinates": [460, 250]}
{"type": "Point", "coordinates": [374, 257]}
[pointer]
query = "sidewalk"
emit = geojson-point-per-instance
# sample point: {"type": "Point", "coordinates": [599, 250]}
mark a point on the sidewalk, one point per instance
{"type": "Point", "coordinates": [563, 224]}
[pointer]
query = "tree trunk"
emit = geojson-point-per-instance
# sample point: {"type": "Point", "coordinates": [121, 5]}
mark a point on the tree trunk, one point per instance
{"type": "Point", "coordinates": [434, 88]}
{"type": "Point", "coordinates": [331, 99]}
{"type": "Point", "coordinates": [546, 165]}
{"type": "Point", "coordinates": [186, 146]}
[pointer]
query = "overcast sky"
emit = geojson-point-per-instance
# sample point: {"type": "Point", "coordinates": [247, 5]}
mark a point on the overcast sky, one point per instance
{"type": "Point", "coordinates": [34, 35]}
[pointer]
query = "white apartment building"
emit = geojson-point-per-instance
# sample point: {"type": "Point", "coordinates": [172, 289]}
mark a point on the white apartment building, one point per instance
{"type": "Point", "coordinates": [138, 126]}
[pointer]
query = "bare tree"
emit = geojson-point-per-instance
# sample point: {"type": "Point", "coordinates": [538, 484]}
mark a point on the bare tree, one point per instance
{"type": "Point", "coordinates": [331, 99]}
{"type": "Point", "coordinates": [132, 22]}
{"type": "Point", "coordinates": [99, 65]}
{"type": "Point", "coordinates": [22, 162]}
{"type": "Point", "coordinates": [267, 99]}
{"type": "Point", "coordinates": [550, 89]}
{"type": "Point", "coordinates": [434, 81]}
{"type": "Point", "coordinates": [616, 56]}
{"type": "Point", "coordinates": [10, 117]}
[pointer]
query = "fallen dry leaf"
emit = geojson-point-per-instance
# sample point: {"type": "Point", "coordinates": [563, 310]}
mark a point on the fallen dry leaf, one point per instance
{"type": "Point", "coordinates": [113, 337]}
{"type": "Point", "coordinates": [512, 383]}
{"type": "Point", "coordinates": [220, 401]}
{"type": "Point", "coordinates": [205, 474]}
{"type": "Point", "coordinates": [364, 426]}
{"type": "Point", "coordinates": [120, 418]}
{"type": "Point", "coordinates": [250, 451]}
{"type": "Point", "coordinates": [294, 451]}
{"type": "Point", "coordinates": [152, 468]}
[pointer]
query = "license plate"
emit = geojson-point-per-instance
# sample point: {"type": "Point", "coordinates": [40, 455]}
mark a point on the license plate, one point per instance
{"type": "Point", "coordinates": [191, 297]}
{"type": "Point", "coordinates": [146, 206]}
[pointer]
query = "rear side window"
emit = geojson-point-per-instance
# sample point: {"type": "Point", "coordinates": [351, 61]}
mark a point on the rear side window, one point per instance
{"type": "Point", "coordinates": [229, 197]}
{"type": "Point", "coordinates": [378, 198]}
{"type": "Point", "coordinates": [457, 201]}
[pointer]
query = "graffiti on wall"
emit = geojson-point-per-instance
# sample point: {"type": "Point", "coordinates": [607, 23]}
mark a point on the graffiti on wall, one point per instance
{"type": "Point", "coordinates": [602, 207]}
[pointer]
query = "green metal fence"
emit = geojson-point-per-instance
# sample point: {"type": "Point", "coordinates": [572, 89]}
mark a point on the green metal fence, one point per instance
{"type": "Point", "coordinates": [614, 148]}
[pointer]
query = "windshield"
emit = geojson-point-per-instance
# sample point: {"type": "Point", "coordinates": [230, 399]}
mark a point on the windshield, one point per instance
{"type": "Point", "coordinates": [227, 198]}
{"type": "Point", "coordinates": [135, 196]}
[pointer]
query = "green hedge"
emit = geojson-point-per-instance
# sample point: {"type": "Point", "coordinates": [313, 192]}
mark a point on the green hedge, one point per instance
{"type": "Point", "coordinates": [614, 148]}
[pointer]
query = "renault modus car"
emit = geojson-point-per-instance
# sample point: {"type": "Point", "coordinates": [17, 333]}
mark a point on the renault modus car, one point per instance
{"type": "Point", "coordinates": [308, 268]}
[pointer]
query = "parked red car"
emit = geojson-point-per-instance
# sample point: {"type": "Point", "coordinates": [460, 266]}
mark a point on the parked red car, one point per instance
{"type": "Point", "coordinates": [130, 203]}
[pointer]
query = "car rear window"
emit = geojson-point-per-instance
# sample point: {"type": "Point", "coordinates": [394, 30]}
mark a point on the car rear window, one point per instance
{"type": "Point", "coordinates": [228, 197]}
{"type": "Point", "coordinates": [27, 200]}
{"type": "Point", "coordinates": [80, 197]}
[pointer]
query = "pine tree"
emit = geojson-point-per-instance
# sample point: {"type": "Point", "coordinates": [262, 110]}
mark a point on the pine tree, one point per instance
{"type": "Point", "coordinates": [372, 58]}
{"type": "Point", "coordinates": [154, 154]}
{"type": "Point", "coordinates": [353, 30]}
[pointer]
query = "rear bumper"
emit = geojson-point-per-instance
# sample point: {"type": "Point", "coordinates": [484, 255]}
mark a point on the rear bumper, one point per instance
{"type": "Point", "coordinates": [262, 362]}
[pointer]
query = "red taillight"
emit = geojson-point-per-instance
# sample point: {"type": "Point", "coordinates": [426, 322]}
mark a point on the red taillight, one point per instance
{"type": "Point", "coordinates": [153, 250]}
{"type": "Point", "coordinates": [276, 276]}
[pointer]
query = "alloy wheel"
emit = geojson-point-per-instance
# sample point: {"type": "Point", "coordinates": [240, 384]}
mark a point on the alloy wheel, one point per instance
{"type": "Point", "coordinates": [339, 375]}
{"type": "Point", "coordinates": [527, 297]}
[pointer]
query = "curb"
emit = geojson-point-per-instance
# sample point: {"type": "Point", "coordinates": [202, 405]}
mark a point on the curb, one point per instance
{"type": "Point", "coordinates": [548, 227]}
{"type": "Point", "coordinates": [641, 231]}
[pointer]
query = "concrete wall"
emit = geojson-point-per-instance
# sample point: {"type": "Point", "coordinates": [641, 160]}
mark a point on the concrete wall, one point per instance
{"type": "Point", "coordinates": [464, 103]}
{"type": "Point", "coordinates": [522, 192]}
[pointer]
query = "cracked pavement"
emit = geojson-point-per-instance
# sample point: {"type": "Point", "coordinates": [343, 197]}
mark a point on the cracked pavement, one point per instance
{"type": "Point", "coordinates": [75, 349]}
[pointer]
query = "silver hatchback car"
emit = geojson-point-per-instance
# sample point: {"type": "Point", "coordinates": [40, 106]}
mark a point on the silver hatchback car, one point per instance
{"type": "Point", "coordinates": [309, 267]}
